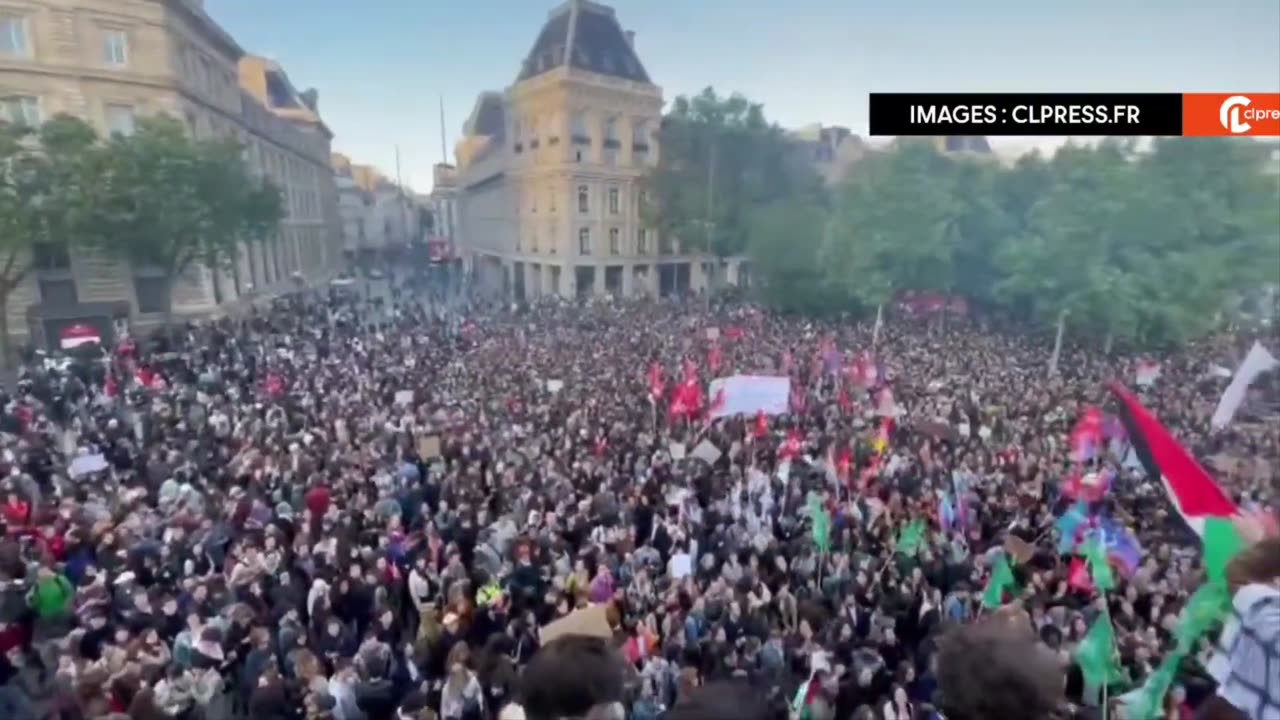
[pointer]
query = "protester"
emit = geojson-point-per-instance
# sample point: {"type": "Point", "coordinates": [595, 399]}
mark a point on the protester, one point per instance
{"type": "Point", "coordinates": [367, 509]}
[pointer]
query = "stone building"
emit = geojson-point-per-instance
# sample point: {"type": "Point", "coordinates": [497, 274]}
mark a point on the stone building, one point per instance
{"type": "Point", "coordinates": [549, 170]}
{"type": "Point", "coordinates": [112, 61]}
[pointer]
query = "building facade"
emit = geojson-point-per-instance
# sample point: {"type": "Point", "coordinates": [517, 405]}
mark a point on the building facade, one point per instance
{"type": "Point", "coordinates": [113, 61]}
{"type": "Point", "coordinates": [549, 171]}
{"type": "Point", "coordinates": [378, 218]}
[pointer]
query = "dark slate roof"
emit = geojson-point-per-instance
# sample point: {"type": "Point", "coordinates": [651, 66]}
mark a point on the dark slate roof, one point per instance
{"type": "Point", "coordinates": [599, 45]}
{"type": "Point", "coordinates": [279, 92]}
{"type": "Point", "coordinates": [487, 117]}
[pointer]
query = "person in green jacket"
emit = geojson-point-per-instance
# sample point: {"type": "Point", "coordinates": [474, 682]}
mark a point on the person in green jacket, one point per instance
{"type": "Point", "coordinates": [52, 595]}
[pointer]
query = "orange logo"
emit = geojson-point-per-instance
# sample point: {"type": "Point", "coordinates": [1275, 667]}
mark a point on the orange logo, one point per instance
{"type": "Point", "coordinates": [1228, 114]}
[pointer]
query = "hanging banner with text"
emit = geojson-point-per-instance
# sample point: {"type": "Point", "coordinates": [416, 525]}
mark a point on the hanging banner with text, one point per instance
{"type": "Point", "coordinates": [748, 395]}
{"type": "Point", "coordinates": [1079, 114]}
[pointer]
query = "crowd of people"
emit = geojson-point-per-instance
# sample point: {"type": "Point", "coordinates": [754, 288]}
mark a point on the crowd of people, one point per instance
{"type": "Point", "coordinates": [373, 509]}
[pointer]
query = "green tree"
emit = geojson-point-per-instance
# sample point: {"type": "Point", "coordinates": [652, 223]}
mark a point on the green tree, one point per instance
{"type": "Point", "coordinates": [46, 180]}
{"type": "Point", "coordinates": [785, 243]}
{"type": "Point", "coordinates": [173, 203]}
{"type": "Point", "coordinates": [1062, 264]}
{"type": "Point", "coordinates": [720, 161]}
{"type": "Point", "coordinates": [896, 223]}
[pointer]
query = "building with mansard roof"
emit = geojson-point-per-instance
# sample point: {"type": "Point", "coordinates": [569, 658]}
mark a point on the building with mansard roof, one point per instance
{"type": "Point", "coordinates": [548, 172]}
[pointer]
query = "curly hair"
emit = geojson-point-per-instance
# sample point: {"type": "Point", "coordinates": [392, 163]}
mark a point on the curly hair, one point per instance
{"type": "Point", "coordinates": [997, 668]}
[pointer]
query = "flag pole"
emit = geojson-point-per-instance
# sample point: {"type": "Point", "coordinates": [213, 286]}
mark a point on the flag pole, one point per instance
{"type": "Point", "coordinates": [1057, 344]}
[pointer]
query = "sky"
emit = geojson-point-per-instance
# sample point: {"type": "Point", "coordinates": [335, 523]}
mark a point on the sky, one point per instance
{"type": "Point", "coordinates": [383, 66]}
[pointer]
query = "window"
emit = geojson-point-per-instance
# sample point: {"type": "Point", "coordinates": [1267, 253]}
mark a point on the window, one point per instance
{"type": "Point", "coordinates": [533, 242]}
{"type": "Point", "coordinates": [48, 256]}
{"type": "Point", "coordinates": [13, 36]}
{"type": "Point", "coordinates": [615, 244]}
{"type": "Point", "coordinates": [551, 200]}
{"type": "Point", "coordinates": [58, 292]}
{"type": "Point", "coordinates": [115, 48]}
{"type": "Point", "coordinates": [578, 129]}
{"type": "Point", "coordinates": [120, 119]}
{"type": "Point", "coordinates": [613, 201]}
{"type": "Point", "coordinates": [640, 135]}
{"type": "Point", "coordinates": [153, 296]}
{"type": "Point", "coordinates": [21, 110]}
{"type": "Point", "coordinates": [642, 242]}
{"type": "Point", "coordinates": [611, 133]}
{"type": "Point", "coordinates": [583, 204]}
{"type": "Point", "coordinates": [584, 241]}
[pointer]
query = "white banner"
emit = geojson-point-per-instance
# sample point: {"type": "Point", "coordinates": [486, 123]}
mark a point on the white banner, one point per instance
{"type": "Point", "coordinates": [1255, 363]}
{"type": "Point", "coordinates": [749, 394]}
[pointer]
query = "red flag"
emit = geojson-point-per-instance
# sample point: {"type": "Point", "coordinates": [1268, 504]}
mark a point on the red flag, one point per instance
{"type": "Point", "coordinates": [845, 402]}
{"type": "Point", "coordinates": [791, 447]}
{"type": "Point", "coordinates": [844, 466]}
{"type": "Point", "coordinates": [734, 332]}
{"type": "Point", "coordinates": [602, 445]}
{"type": "Point", "coordinates": [688, 398]}
{"type": "Point", "coordinates": [656, 387]}
{"type": "Point", "coordinates": [714, 358]}
{"type": "Point", "coordinates": [274, 385]}
{"type": "Point", "coordinates": [1087, 487]}
{"type": "Point", "coordinates": [1078, 576]}
{"type": "Point", "coordinates": [112, 388]}
{"type": "Point", "coordinates": [762, 424]}
{"type": "Point", "coordinates": [1086, 438]}
{"type": "Point", "coordinates": [690, 371]}
{"type": "Point", "coordinates": [145, 377]}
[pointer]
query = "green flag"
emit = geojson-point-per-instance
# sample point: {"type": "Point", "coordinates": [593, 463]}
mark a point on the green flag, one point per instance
{"type": "Point", "coordinates": [1147, 701]}
{"type": "Point", "coordinates": [799, 706]}
{"type": "Point", "coordinates": [1094, 551]}
{"type": "Point", "coordinates": [821, 524]}
{"type": "Point", "coordinates": [1000, 581]}
{"type": "Point", "coordinates": [1221, 543]}
{"type": "Point", "coordinates": [911, 539]}
{"type": "Point", "coordinates": [1096, 655]}
{"type": "Point", "coordinates": [1209, 605]}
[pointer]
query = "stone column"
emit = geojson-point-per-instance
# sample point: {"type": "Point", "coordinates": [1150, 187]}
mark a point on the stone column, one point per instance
{"type": "Point", "coordinates": [628, 279]}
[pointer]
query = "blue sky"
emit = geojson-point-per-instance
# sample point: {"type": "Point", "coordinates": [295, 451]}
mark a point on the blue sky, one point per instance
{"type": "Point", "coordinates": [381, 65]}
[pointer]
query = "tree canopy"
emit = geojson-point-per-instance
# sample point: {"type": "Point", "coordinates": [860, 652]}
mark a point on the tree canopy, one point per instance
{"type": "Point", "coordinates": [720, 162]}
{"type": "Point", "coordinates": [1134, 243]}
{"type": "Point", "coordinates": [157, 198]}
{"type": "Point", "coordinates": [47, 176]}
{"type": "Point", "coordinates": [169, 202]}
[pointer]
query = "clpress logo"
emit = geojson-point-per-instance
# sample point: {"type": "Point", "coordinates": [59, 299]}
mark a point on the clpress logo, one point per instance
{"type": "Point", "coordinates": [1227, 114]}
{"type": "Point", "coordinates": [1230, 114]}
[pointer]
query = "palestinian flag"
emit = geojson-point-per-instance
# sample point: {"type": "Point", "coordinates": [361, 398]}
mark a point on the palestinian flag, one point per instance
{"type": "Point", "coordinates": [1202, 503]}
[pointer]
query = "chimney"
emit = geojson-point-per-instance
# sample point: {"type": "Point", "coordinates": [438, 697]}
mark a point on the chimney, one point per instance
{"type": "Point", "coordinates": [631, 39]}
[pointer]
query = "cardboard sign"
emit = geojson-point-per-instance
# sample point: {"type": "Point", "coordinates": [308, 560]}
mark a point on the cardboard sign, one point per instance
{"type": "Point", "coordinates": [590, 621]}
{"type": "Point", "coordinates": [713, 333]}
{"type": "Point", "coordinates": [707, 452]}
{"type": "Point", "coordinates": [1019, 550]}
{"type": "Point", "coordinates": [404, 397]}
{"type": "Point", "coordinates": [677, 451]}
{"type": "Point", "coordinates": [429, 447]}
{"type": "Point", "coordinates": [555, 386]}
